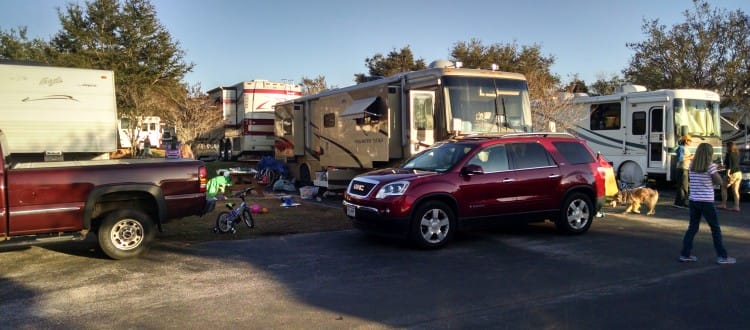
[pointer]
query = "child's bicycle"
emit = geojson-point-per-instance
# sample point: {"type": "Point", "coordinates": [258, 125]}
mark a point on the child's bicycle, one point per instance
{"type": "Point", "coordinates": [227, 219]}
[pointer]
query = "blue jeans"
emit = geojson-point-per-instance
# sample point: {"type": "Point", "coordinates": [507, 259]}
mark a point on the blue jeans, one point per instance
{"type": "Point", "coordinates": [707, 210]}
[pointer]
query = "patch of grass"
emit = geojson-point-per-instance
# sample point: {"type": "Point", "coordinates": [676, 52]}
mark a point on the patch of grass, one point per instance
{"type": "Point", "coordinates": [309, 217]}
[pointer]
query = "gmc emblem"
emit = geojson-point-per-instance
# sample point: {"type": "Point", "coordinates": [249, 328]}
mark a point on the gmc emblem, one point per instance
{"type": "Point", "coordinates": [358, 187]}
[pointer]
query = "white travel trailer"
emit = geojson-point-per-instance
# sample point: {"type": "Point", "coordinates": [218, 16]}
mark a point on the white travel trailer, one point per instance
{"type": "Point", "coordinates": [329, 137]}
{"type": "Point", "coordinates": [249, 116]}
{"type": "Point", "coordinates": [638, 130]}
{"type": "Point", "coordinates": [54, 113]}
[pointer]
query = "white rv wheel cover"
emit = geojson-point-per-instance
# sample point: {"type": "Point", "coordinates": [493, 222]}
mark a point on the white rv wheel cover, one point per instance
{"type": "Point", "coordinates": [631, 175]}
{"type": "Point", "coordinates": [127, 234]}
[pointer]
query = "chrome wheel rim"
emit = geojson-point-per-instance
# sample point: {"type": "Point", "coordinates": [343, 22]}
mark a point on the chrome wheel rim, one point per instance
{"type": "Point", "coordinates": [434, 225]}
{"type": "Point", "coordinates": [578, 214]}
{"type": "Point", "coordinates": [127, 234]}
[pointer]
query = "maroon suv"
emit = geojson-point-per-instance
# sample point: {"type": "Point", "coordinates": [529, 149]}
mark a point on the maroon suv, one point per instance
{"type": "Point", "coordinates": [527, 176]}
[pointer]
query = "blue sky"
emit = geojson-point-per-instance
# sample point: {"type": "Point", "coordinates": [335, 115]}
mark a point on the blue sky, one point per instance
{"type": "Point", "coordinates": [230, 41]}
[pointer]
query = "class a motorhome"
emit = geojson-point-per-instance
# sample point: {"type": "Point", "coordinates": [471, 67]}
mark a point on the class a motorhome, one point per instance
{"type": "Point", "coordinates": [330, 137]}
{"type": "Point", "coordinates": [55, 113]}
{"type": "Point", "coordinates": [248, 114]}
{"type": "Point", "coordinates": [638, 130]}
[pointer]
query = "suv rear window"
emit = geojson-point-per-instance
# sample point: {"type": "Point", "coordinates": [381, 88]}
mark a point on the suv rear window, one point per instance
{"type": "Point", "coordinates": [574, 152]}
{"type": "Point", "coordinates": [529, 155]}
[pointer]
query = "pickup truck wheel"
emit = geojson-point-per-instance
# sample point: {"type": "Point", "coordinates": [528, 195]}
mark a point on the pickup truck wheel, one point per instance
{"type": "Point", "coordinates": [433, 225]}
{"type": "Point", "coordinates": [576, 214]}
{"type": "Point", "coordinates": [125, 234]}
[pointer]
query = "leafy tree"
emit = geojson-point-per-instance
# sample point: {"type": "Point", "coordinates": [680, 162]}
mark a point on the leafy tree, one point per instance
{"type": "Point", "coordinates": [127, 38]}
{"type": "Point", "coordinates": [395, 62]}
{"type": "Point", "coordinates": [606, 85]}
{"type": "Point", "coordinates": [710, 50]}
{"type": "Point", "coordinates": [15, 45]}
{"type": "Point", "coordinates": [576, 86]}
{"type": "Point", "coordinates": [315, 85]}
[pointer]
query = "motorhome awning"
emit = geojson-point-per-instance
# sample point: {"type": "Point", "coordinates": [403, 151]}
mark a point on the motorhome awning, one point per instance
{"type": "Point", "coordinates": [359, 107]}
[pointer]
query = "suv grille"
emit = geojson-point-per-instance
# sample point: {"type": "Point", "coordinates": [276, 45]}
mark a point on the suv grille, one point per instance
{"type": "Point", "coordinates": [361, 188]}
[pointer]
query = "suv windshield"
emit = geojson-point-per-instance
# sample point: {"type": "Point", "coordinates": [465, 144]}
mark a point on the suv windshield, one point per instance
{"type": "Point", "coordinates": [438, 158]}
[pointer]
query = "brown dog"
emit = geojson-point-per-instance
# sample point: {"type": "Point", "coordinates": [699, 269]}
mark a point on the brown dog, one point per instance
{"type": "Point", "coordinates": [637, 196]}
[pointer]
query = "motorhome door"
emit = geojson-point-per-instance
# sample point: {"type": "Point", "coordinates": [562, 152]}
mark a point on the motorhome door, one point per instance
{"type": "Point", "coordinates": [656, 154]}
{"type": "Point", "coordinates": [422, 114]}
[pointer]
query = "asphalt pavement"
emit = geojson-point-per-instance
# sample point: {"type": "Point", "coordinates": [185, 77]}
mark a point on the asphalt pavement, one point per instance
{"type": "Point", "coordinates": [622, 274]}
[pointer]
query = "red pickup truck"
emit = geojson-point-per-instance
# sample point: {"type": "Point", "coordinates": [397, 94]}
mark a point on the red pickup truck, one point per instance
{"type": "Point", "coordinates": [122, 201]}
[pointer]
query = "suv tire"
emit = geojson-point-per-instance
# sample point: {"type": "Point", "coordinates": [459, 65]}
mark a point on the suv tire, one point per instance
{"type": "Point", "coordinates": [433, 224]}
{"type": "Point", "coordinates": [576, 214]}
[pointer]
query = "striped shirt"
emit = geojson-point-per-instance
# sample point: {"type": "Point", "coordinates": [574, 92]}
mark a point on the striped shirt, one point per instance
{"type": "Point", "coordinates": [701, 185]}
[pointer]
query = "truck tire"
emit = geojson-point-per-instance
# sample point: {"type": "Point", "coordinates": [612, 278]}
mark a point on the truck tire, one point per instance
{"type": "Point", "coordinates": [125, 233]}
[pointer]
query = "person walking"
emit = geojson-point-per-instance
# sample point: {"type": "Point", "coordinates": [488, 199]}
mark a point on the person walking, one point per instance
{"type": "Point", "coordinates": [681, 171]}
{"type": "Point", "coordinates": [147, 148]}
{"type": "Point", "coordinates": [703, 175]}
{"type": "Point", "coordinates": [733, 178]}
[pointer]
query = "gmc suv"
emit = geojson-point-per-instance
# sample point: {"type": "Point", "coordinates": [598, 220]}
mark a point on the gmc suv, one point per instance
{"type": "Point", "coordinates": [526, 176]}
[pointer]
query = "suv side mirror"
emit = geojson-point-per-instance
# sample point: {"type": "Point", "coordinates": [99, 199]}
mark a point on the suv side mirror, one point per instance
{"type": "Point", "coordinates": [472, 169]}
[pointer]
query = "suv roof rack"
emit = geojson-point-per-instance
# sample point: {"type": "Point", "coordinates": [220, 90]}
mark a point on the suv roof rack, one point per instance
{"type": "Point", "coordinates": [542, 134]}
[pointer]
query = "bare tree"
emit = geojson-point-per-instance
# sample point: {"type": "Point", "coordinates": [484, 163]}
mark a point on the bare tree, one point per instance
{"type": "Point", "coordinates": [194, 114]}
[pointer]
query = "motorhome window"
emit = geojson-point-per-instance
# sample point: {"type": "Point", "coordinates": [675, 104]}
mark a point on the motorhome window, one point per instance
{"type": "Point", "coordinates": [486, 105]}
{"type": "Point", "coordinates": [423, 112]}
{"type": "Point", "coordinates": [700, 116]}
{"type": "Point", "coordinates": [657, 122]}
{"type": "Point", "coordinates": [639, 123]}
{"type": "Point", "coordinates": [329, 120]}
{"type": "Point", "coordinates": [605, 116]}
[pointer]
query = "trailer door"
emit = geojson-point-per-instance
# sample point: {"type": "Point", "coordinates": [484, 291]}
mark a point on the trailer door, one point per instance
{"type": "Point", "coordinates": [656, 154]}
{"type": "Point", "coordinates": [422, 114]}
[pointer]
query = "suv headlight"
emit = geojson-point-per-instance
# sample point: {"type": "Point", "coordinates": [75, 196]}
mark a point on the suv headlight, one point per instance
{"type": "Point", "coordinates": [392, 189]}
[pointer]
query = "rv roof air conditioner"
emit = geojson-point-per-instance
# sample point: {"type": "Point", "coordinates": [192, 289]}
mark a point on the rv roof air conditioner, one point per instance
{"type": "Point", "coordinates": [630, 88]}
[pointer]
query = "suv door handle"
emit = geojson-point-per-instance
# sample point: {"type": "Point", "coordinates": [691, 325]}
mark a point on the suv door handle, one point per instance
{"type": "Point", "coordinates": [506, 180]}
{"type": "Point", "coordinates": [552, 176]}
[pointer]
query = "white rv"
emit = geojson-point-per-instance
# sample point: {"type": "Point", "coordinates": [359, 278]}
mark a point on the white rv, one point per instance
{"type": "Point", "coordinates": [54, 113]}
{"type": "Point", "coordinates": [249, 116]}
{"type": "Point", "coordinates": [638, 129]}
{"type": "Point", "coordinates": [328, 138]}
{"type": "Point", "coordinates": [150, 127]}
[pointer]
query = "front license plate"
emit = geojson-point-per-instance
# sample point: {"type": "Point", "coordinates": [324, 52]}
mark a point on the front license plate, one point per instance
{"type": "Point", "coordinates": [350, 210]}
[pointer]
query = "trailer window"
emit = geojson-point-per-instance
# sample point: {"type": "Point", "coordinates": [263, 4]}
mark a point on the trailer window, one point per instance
{"type": "Point", "coordinates": [605, 116]}
{"type": "Point", "coordinates": [329, 120]}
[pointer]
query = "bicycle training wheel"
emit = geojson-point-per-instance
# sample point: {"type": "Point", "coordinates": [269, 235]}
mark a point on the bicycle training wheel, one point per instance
{"type": "Point", "coordinates": [248, 218]}
{"type": "Point", "coordinates": [224, 222]}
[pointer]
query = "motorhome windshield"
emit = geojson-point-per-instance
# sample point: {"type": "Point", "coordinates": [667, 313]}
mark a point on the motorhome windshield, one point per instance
{"type": "Point", "coordinates": [486, 105]}
{"type": "Point", "coordinates": [700, 116]}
